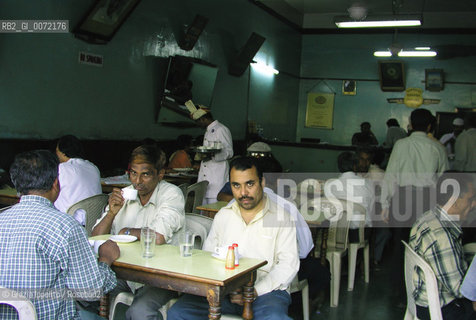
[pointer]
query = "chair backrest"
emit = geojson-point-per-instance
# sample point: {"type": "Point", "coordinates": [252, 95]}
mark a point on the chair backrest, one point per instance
{"type": "Point", "coordinates": [199, 225]}
{"type": "Point", "coordinates": [94, 206]}
{"type": "Point", "coordinates": [24, 307]}
{"type": "Point", "coordinates": [184, 187]}
{"type": "Point", "coordinates": [413, 262]}
{"type": "Point", "coordinates": [194, 196]}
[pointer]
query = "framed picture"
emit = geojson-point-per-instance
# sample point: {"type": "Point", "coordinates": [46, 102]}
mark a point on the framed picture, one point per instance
{"type": "Point", "coordinates": [103, 20]}
{"type": "Point", "coordinates": [349, 87]}
{"type": "Point", "coordinates": [392, 76]}
{"type": "Point", "coordinates": [434, 79]}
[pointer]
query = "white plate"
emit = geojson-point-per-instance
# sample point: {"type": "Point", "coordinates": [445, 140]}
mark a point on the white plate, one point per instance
{"type": "Point", "coordinates": [183, 169]}
{"type": "Point", "coordinates": [123, 238]}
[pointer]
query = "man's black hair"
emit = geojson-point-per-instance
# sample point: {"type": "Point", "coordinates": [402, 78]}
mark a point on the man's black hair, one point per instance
{"type": "Point", "coordinates": [245, 163]}
{"type": "Point", "coordinates": [71, 146]}
{"type": "Point", "coordinates": [34, 171]}
{"type": "Point", "coordinates": [420, 119]}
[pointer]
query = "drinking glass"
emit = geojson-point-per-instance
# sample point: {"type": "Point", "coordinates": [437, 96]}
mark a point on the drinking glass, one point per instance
{"type": "Point", "coordinates": [186, 243]}
{"type": "Point", "coordinates": [147, 241]}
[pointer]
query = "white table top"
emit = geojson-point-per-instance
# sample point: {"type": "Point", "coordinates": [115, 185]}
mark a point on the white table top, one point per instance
{"type": "Point", "coordinates": [167, 259]}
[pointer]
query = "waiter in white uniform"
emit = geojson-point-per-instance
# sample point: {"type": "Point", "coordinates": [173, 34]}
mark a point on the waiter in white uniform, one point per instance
{"type": "Point", "coordinates": [214, 168]}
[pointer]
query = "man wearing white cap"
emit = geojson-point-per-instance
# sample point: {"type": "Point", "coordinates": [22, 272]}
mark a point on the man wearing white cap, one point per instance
{"type": "Point", "coordinates": [214, 168]}
{"type": "Point", "coordinates": [449, 139]}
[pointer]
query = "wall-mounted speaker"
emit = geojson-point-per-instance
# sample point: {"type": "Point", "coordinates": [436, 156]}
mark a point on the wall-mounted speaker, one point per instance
{"type": "Point", "coordinates": [193, 32]}
{"type": "Point", "coordinates": [244, 57]}
{"type": "Point", "coordinates": [392, 77]}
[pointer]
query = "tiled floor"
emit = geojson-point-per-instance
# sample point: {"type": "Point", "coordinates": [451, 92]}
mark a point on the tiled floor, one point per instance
{"type": "Point", "coordinates": [366, 302]}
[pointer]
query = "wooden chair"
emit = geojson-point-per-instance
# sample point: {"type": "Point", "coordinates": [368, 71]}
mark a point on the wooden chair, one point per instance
{"type": "Point", "coordinates": [413, 262]}
{"type": "Point", "coordinates": [94, 207]}
{"type": "Point", "coordinates": [25, 309]}
{"type": "Point", "coordinates": [194, 196]}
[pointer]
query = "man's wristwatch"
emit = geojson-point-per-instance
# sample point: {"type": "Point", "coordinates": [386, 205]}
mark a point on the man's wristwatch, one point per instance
{"type": "Point", "coordinates": [127, 232]}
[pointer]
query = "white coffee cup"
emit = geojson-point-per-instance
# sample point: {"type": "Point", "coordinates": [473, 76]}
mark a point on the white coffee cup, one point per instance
{"type": "Point", "coordinates": [129, 193]}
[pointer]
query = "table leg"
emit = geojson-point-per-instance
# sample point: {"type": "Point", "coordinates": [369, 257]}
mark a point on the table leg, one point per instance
{"type": "Point", "coordinates": [213, 297]}
{"type": "Point", "coordinates": [104, 306]}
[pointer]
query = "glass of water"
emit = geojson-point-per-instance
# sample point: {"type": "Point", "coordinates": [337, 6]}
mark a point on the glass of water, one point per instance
{"type": "Point", "coordinates": [147, 241]}
{"type": "Point", "coordinates": [186, 243]}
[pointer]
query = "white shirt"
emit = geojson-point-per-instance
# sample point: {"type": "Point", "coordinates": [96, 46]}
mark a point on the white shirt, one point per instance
{"type": "Point", "coordinates": [465, 151]}
{"type": "Point", "coordinates": [445, 138]}
{"type": "Point", "coordinates": [393, 135]}
{"type": "Point", "coordinates": [303, 233]}
{"type": "Point", "coordinates": [269, 236]}
{"type": "Point", "coordinates": [415, 161]}
{"type": "Point", "coordinates": [351, 187]}
{"type": "Point", "coordinates": [164, 213]}
{"type": "Point", "coordinates": [215, 171]}
{"type": "Point", "coordinates": [79, 179]}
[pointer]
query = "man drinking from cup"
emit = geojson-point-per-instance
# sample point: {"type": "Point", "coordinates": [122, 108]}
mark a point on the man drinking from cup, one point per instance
{"type": "Point", "coordinates": [159, 206]}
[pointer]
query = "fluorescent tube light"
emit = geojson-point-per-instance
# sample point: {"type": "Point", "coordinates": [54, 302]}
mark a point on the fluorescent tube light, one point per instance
{"type": "Point", "coordinates": [417, 53]}
{"type": "Point", "coordinates": [422, 48]}
{"type": "Point", "coordinates": [379, 22]}
{"type": "Point", "coordinates": [264, 68]}
{"type": "Point", "coordinates": [382, 54]}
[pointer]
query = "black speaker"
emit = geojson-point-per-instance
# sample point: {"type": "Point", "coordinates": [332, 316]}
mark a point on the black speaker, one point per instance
{"type": "Point", "coordinates": [193, 32]}
{"type": "Point", "coordinates": [244, 57]}
{"type": "Point", "coordinates": [392, 77]}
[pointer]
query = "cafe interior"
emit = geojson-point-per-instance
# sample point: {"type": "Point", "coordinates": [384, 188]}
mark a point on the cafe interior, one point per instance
{"type": "Point", "coordinates": [259, 65]}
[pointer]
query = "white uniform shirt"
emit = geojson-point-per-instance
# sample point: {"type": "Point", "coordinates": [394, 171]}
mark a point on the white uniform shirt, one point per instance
{"type": "Point", "coordinates": [79, 179]}
{"type": "Point", "coordinates": [393, 135]}
{"type": "Point", "coordinates": [465, 151]}
{"type": "Point", "coordinates": [269, 236]}
{"type": "Point", "coordinates": [415, 161]}
{"type": "Point", "coordinates": [445, 138]}
{"type": "Point", "coordinates": [164, 213]}
{"type": "Point", "coordinates": [303, 233]}
{"type": "Point", "coordinates": [351, 187]}
{"type": "Point", "coordinates": [215, 171]}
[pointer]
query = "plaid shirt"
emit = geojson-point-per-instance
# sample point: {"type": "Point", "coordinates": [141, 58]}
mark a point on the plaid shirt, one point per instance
{"type": "Point", "coordinates": [437, 239]}
{"type": "Point", "coordinates": [44, 251]}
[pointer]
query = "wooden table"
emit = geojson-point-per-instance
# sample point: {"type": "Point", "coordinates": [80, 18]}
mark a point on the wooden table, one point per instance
{"type": "Point", "coordinates": [212, 208]}
{"type": "Point", "coordinates": [200, 274]}
{"type": "Point", "coordinates": [8, 196]}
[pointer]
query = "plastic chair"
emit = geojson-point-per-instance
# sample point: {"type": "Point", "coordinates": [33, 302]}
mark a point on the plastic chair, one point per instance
{"type": "Point", "coordinates": [184, 187]}
{"type": "Point", "coordinates": [194, 196]}
{"type": "Point", "coordinates": [469, 250]}
{"type": "Point", "coordinates": [336, 211]}
{"type": "Point", "coordinates": [354, 247]}
{"type": "Point", "coordinates": [413, 262]}
{"type": "Point", "coordinates": [94, 207]}
{"type": "Point", "coordinates": [5, 208]}
{"type": "Point", "coordinates": [200, 226]}
{"type": "Point", "coordinates": [25, 309]}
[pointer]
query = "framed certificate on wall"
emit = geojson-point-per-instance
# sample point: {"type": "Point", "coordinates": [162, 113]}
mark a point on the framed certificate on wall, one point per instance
{"type": "Point", "coordinates": [434, 79]}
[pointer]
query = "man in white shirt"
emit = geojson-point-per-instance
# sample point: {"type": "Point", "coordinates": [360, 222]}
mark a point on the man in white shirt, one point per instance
{"type": "Point", "coordinates": [159, 206]}
{"type": "Point", "coordinates": [449, 139]}
{"type": "Point", "coordinates": [79, 179]}
{"type": "Point", "coordinates": [214, 168]}
{"type": "Point", "coordinates": [262, 231]}
{"type": "Point", "coordinates": [465, 148]}
{"type": "Point", "coordinates": [414, 166]}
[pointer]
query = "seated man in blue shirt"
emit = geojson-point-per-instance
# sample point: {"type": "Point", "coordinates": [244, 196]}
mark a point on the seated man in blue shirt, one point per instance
{"type": "Point", "coordinates": [44, 253]}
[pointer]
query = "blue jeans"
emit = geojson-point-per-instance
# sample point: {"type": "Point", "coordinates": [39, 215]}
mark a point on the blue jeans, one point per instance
{"type": "Point", "coordinates": [270, 306]}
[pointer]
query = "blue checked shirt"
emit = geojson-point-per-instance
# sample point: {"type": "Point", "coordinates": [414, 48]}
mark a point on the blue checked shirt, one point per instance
{"type": "Point", "coordinates": [45, 254]}
{"type": "Point", "coordinates": [438, 240]}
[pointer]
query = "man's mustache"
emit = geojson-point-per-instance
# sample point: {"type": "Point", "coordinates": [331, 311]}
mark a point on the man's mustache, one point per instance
{"type": "Point", "coordinates": [245, 197]}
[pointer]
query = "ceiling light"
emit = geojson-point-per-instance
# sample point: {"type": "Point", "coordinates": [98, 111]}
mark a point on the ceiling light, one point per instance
{"type": "Point", "coordinates": [417, 53]}
{"type": "Point", "coordinates": [422, 48]}
{"type": "Point", "coordinates": [264, 68]}
{"type": "Point", "coordinates": [379, 22]}
{"type": "Point", "coordinates": [404, 53]}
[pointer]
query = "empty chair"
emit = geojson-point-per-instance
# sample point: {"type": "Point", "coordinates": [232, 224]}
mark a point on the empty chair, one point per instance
{"type": "Point", "coordinates": [94, 207]}
{"type": "Point", "coordinates": [24, 307]}
{"type": "Point", "coordinates": [413, 262]}
{"type": "Point", "coordinates": [199, 225]}
{"type": "Point", "coordinates": [194, 196]}
{"type": "Point", "coordinates": [336, 212]}
{"type": "Point", "coordinates": [354, 247]}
